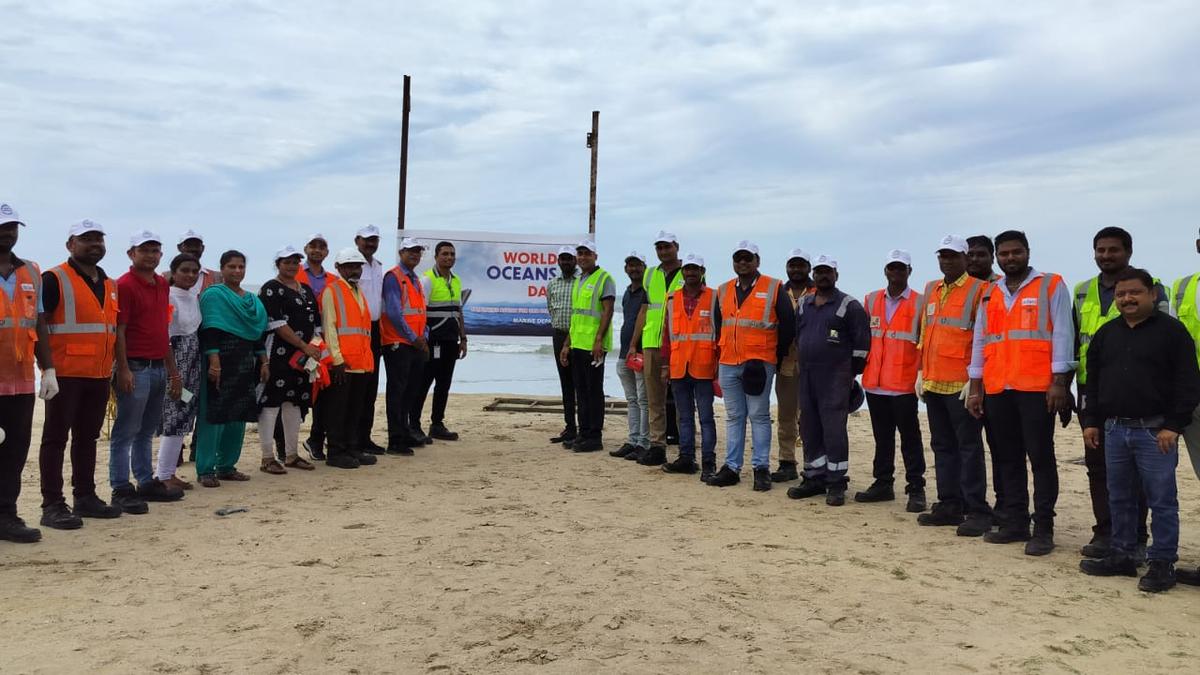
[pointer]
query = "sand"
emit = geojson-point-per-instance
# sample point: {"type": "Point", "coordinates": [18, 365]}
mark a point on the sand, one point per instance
{"type": "Point", "coordinates": [503, 553]}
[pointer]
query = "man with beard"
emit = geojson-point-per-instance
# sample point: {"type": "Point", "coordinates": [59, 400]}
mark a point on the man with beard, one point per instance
{"type": "Point", "coordinates": [660, 281]}
{"type": "Point", "coordinates": [447, 339]}
{"type": "Point", "coordinates": [371, 285]}
{"type": "Point", "coordinates": [981, 254]}
{"type": "Point", "coordinates": [346, 326]}
{"type": "Point", "coordinates": [787, 380]}
{"type": "Point", "coordinates": [404, 335]}
{"type": "Point", "coordinates": [593, 295]}
{"type": "Point", "coordinates": [633, 382]}
{"type": "Point", "coordinates": [558, 304]}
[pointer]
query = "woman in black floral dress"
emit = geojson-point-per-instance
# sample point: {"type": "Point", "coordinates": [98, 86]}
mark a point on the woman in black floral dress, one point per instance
{"type": "Point", "coordinates": [293, 320]}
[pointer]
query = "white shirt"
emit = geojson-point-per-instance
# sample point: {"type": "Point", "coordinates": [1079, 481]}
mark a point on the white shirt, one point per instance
{"type": "Point", "coordinates": [185, 320]}
{"type": "Point", "coordinates": [371, 285]}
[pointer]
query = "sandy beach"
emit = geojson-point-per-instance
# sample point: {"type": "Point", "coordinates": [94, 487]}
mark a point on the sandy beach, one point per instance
{"type": "Point", "coordinates": [502, 553]}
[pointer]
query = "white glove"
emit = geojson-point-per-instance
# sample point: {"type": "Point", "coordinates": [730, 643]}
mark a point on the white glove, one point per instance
{"type": "Point", "coordinates": [49, 388]}
{"type": "Point", "coordinates": [962, 395]}
{"type": "Point", "coordinates": [920, 387]}
{"type": "Point", "coordinates": [2, 435]}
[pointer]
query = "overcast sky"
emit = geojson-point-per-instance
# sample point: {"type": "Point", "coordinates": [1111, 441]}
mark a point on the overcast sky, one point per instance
{"type": "Point", "coordinates": [841, 127]}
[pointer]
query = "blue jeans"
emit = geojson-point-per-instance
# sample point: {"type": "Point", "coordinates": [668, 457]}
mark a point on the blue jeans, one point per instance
{"type": "Point", "coordinates": [1131, 455]}
{"type": "Point", "coordinates": [739, 406]}
{"type": "Point", "coordinates": [138, 415]}
{"type": "Point", "coordinates": [638, 415]}
{"type": "Point", "coordinates": [695, 396]}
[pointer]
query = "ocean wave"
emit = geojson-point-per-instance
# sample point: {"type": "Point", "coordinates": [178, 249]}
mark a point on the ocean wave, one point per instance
{"type": "Point", "coordinates": [511, 348]}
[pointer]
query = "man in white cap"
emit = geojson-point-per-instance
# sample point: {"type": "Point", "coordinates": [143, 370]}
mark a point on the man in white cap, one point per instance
{"type": "Point", "coordinates": [191, 242]}
{"type": "Point", "coordinates": [346, 325]}
{"type": "Point", "coordinates": [447, 339]}
{"type": "Point", "coordinates": [757, 327]}
{"type": "Point", "coordinates": [593, 295]}
{"type": "Point", "coordinates": [404, 334]}
{"type": "Point", "coordinates": [79, 304]}
{"type": "Point", "coordinates": [366, 240]}
{"type": "Point", "coordinates": [890, 380]}
{"type": "Point", "coordinates": [20, 304]}
{"type": "Point", "coordinates": [787, 380]}
{"type": "Point", "coordinates": [312, 273]}
{"type": "Point", "coordinates": [661, 280]}
{"type": "Point", "coordinates": [558, 303]}
{"type": "Point", "coordinates": [832, 339]}
{"type": "Point", "coordinates": [633, 381]}
{"type": "Point", "coordinates": [947, 329]}
{"type": "Point", "coordinates": [145, 374]}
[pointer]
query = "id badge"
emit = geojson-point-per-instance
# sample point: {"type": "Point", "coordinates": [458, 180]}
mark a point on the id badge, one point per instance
{"type": "Point", "coordinates": [185, 396]}
{"type": "Point", "coordinates": [437, 351]}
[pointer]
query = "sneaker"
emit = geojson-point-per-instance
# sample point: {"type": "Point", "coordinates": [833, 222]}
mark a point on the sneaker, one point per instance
{"type": "Point", "coordinates": [916, 499]}
{"type": "Point", "coordinates": [637, 453]}
{"type": "Point", "coordinates": [570, 445]}
{"type": "Point", "coordinates": [707, 468]}
{"type": "Point", "coordinates": [943, 514]}
{"type": "Point", "coordinates": [92, 506]}
{"type": "Point", "coordinates": [1160, 577]}
{"type": "Point", "coordinates": [373, 448]}
{"type": "Point", "coordinates": [976, 525]}
{"type": "Point", "coordinates": [787, 472]}
{"type": "Point", "coordinates": [564, 435]}
{"type": "Point", "coordinates": [762, 479]}
{"type": "Point", "coordinates": [341, 460]}
{"type": "Point", "coordinates": [127, 499]}
{"type": "Point", "coordinates": [835, 495]}
{"type": "Point", "coordinates": [1099, 547]}
{"type": "Point", "coordinates": [1189, 577]}
{"type": "Point", "coordinates": [315, 451]}
{"type": "Point", "coordinates": [15, 530]}
{"type": "Point", "coordinates": [155, 490]}
{"type": "Point", "coordinates": [807, 488]}
{"type": "Point", "coordinates": [57, 516]}
{"type": "Point", "coordinates": [681, 464]}
{"type": "Point", "coordinates": [1007, 535]}
{"type": "Point", "coordinates": [441, 433]}
{"type": "Point", "coordinates": [588, 445]}
{"type": "Point", "coordinates": [725, 477]}
{"type": "Point", "coordinates": [366, 459]}
{"type": "Point", "coordinates": [1109, 566]}
{"type": "Point", "coordinates": [623, 450]}
{"type": "Point", "coordinates": [396, 449]}
{"type": "Point", "coordinates": [654, 456]}
{"type": "Point", "coordinates": [879, 491]}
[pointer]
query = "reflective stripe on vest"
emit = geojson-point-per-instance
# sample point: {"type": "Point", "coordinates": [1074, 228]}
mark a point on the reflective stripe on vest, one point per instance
{"type": "Point", "coordinates": [693, 337]}
{"type": "Point", "coordinates": [710, 336]}
{"type": "Point", "coordinates": [655, 283]}
{"type": "Point", "coordinates": [1184, 294]}
{"type": "Point", "coordinates": [912, 335]}
{"type": "Point", "coordinates": [70, 326]}
{"type": "Point", "coordinates": [445, 300]}
{"type": "Point", "coordinates": [966, 320]}
{"type": "Point", "coordinates": [760, 337]}
{"type": "Point", "coordinates": [18, 330]}
{"type": "Point", "coordinates": [1007, 364]}
{"type": "Point", "coordinates": [585, 319]}
{"type": "Point", "coordinates": [946, 339]}
{"type": "Point", "coordinates": [344, 327]}
{"type": "Point", "coordinates": [893, 359]}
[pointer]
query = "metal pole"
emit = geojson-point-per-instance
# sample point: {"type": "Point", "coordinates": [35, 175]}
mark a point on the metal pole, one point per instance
{"type": "Point", "coordinates": [593, 142]}
{"type": "Point", "coordinates": [406, 107]}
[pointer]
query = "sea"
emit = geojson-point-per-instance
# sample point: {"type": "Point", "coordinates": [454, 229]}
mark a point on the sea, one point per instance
{"type": "Point", "coordinates": [518, 365]}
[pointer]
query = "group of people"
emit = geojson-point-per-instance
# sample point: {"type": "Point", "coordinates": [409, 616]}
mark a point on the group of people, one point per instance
{"type": "Point", "coordinates": [991, 356]}
{"type": "Point", "coordinates": [195, 353]}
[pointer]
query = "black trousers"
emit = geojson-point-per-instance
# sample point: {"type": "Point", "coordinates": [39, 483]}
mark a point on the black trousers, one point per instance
{"type": "Point", "coordinates": [890, 414]}
{"type": "Point", "coordinates": [438, 373]}
{"type": "Point", "coordinates": [317, 434]}
{"type": "Point", "coordinates": [341, 405]}
{"type": "Point", "coordinates": [78, 410]}
{"type": "Point", "coordinates": [566, 383]}
{"type": "Point", "coordinates": [959, 466]}
{"type": "Point", "coordinates": [404, 364]}
{"type": "Point", "coordinates": [1023, 430]}
{"type": "Point", "coordinates": [589, 392]}
{"type": "Point", "coordinates": [370, 390]}
{"type": "Point", "coordinates": [16, 418]}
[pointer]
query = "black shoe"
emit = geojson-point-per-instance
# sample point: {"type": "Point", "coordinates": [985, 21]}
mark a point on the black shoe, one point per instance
{"type": "Point", "coordinates": [570, 445]}
{"type": "Point", "coordinates": [418, 438]}
{"type": "Point", "coordinates": [762, 479]}
{"type": "Point", "coordinates": [707, 469]}
{"type": "Point", "coordinates": [365, 458]}
{"type": "Point", "coordinates": [835, 495]}
{"type": "Point", "coordinates": [564, 435]}
{"type": "Point", "coordinates": [59, 517]}
{"type": "Point", "coordinates": [156, 491]}
{"type": "Point", "coordinates": [588, 445]}
{"type": "Point", "coordinates": [1099, 547]}
{"type": "Point", "coordinates": [1189, 577]}
{"type": "Point", "coordinates": [916, 499]}
{"type": "Point", "coordinates": [637, 453]}
{"type": "Point", "coordinates": [1109, 566]}
{"type": "Point", "coordinates": [1007, 535]}
{"type": "Point", "coordinates": [653, 456]}
{"type": "Point", "coordinates": [681, 464]}
{"type": "Point", "coordinates": [879, 491]}
{"type": "Point", "coordinates": [342, 461]}
{"type": "Point", "coordinates": [623, 450]}
{"type": "Point", "coordinates": [976, 525]}
{"type": "Point", "coordinates": [315, 451]}
{"type": "Point", "coordinates": [14, 529]}
{"type": "Point", "coordinates": [92, 506]}
{"type": "Point", "coordinates": [127, 499]}
{"type": "Point", "coordinates": [942, 514]}
{"type": "Point", "coordinates": [807, 488]}
{"type": "Point", "coordinates": [1160, 577]}
{"type": "Point", "coordinates": [724, 478]}
{"type": "Point", "coordinates": [440, 432]}
{"type": "Point", "coordinates": [1042, 543]}
{"type": "Point", "coordinates": [787, 472]}
{"type": "Point", "coordinates": [373, 448]}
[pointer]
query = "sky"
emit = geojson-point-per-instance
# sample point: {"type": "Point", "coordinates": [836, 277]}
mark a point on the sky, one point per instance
{"type": "Point", "coordinates": [846, 128]}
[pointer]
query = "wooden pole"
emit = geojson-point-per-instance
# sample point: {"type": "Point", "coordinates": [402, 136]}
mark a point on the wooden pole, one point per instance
{"type": "Point", "coordinates": [593, 142]}
{"type": "Point", "coordinates": [406, 107]}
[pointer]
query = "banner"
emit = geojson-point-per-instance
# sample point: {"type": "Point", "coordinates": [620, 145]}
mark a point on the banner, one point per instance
{"type": "Point", "coordinates": [507, 275]}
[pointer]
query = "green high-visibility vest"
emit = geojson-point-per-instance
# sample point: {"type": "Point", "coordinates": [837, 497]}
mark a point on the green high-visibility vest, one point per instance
{"type": "Point", "coordinates": [445, 299]}
{"type": "Point", "coordinates": [1184, 295]}
{"type": "Point", "coordinates": [587, 310]}
{"type": "Point", "coordinates": [1090, 319]}
{"type": "Point", "coordinates": [655, 283]}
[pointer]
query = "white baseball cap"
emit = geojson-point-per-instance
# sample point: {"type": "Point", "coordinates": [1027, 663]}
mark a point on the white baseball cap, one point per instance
{"type": "Point", "coordinates": [315, 236]}
{"type": "Point", "coordinates": [288, 251]}
{"type": "Point", "coordinates": [190, 234]}
{"type": "Point", "coordinates": [348, 256]}
{"type": "Point", "coordinates": [799, 253]}
{"type": "Point", "coordinates": [953, 242]}
{"type": "Point", "coordinates": [9, 215]}
{"type": "Point", "coordinates": [588, 244]}
{"type": "Point", "coordinates": [367, 232]}
{"type": "Point", "coordinates": [143, 237]}
{"type": "Point", "coordinates": [898, 255]}
{"type": "Point", "coordinates": [745, 245]}
{"type": "Point", "coordinates": [566, 250]}
{"type": "Point", "coordinates": [408, 242]}
{"type": "Point", "coordinates": [84, 226]}
{"type": "Point", "coordinates": [825, 261]}
{"type": "Point", "coordinates": [664, 236]}
{"type": "Point", "coordinates": [693, 259]}
{"type": "Point", "coordinates": [634, 255]}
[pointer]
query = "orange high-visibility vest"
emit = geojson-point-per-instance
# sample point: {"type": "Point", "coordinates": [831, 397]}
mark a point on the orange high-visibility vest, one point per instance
{"type": "Point", "coordinates": [1017, 343]}
{"type": "Point", "coordinates": [894, 357]}
{"type": "Point", "coordinates": [750, 331]}
{"type": "Point", "coordinates": [353, 327]}
{"type": "Point", "coordinates": [414, 311]}
{"type": "Point", "coordinates": [302, 277]}
{"type": "Point", "coordinates": [18, 331]}
{"type": "Point", "coordinates": [83, 335]}
{"type": "Point", "coordinates": [949, 330]}
{"type": "Point", "coordinates": [693, 338]}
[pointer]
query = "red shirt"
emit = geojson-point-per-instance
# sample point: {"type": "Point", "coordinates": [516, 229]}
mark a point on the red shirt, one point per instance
{"type": "Point", "coordinates": [144, 310]}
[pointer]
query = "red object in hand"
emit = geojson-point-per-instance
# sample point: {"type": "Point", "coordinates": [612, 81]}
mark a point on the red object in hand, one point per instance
{"type": "Point", "coordinates": [635, 362]}
{"type": "Point", "coordinates": [717, 390]}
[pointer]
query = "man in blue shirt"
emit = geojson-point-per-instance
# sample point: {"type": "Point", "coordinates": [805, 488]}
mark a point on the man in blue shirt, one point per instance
{"type": "Point", "coordinates": [633, 382]}
{"type": "Point", "coordinates": [405, 357]}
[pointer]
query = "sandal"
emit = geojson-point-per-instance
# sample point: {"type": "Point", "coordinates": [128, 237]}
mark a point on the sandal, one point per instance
{"type": "Point", "coordinates": [272, 466]}
{"type": "Point", "coordinates": [234, 475]}
{"type": "Point", "coordinates": [298, 462]}
{"type": "Point", "coordinates": [210, 481]}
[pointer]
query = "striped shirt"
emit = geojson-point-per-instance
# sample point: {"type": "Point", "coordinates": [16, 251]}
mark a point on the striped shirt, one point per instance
{"type": "Point", "coordinates": [558, 302]}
